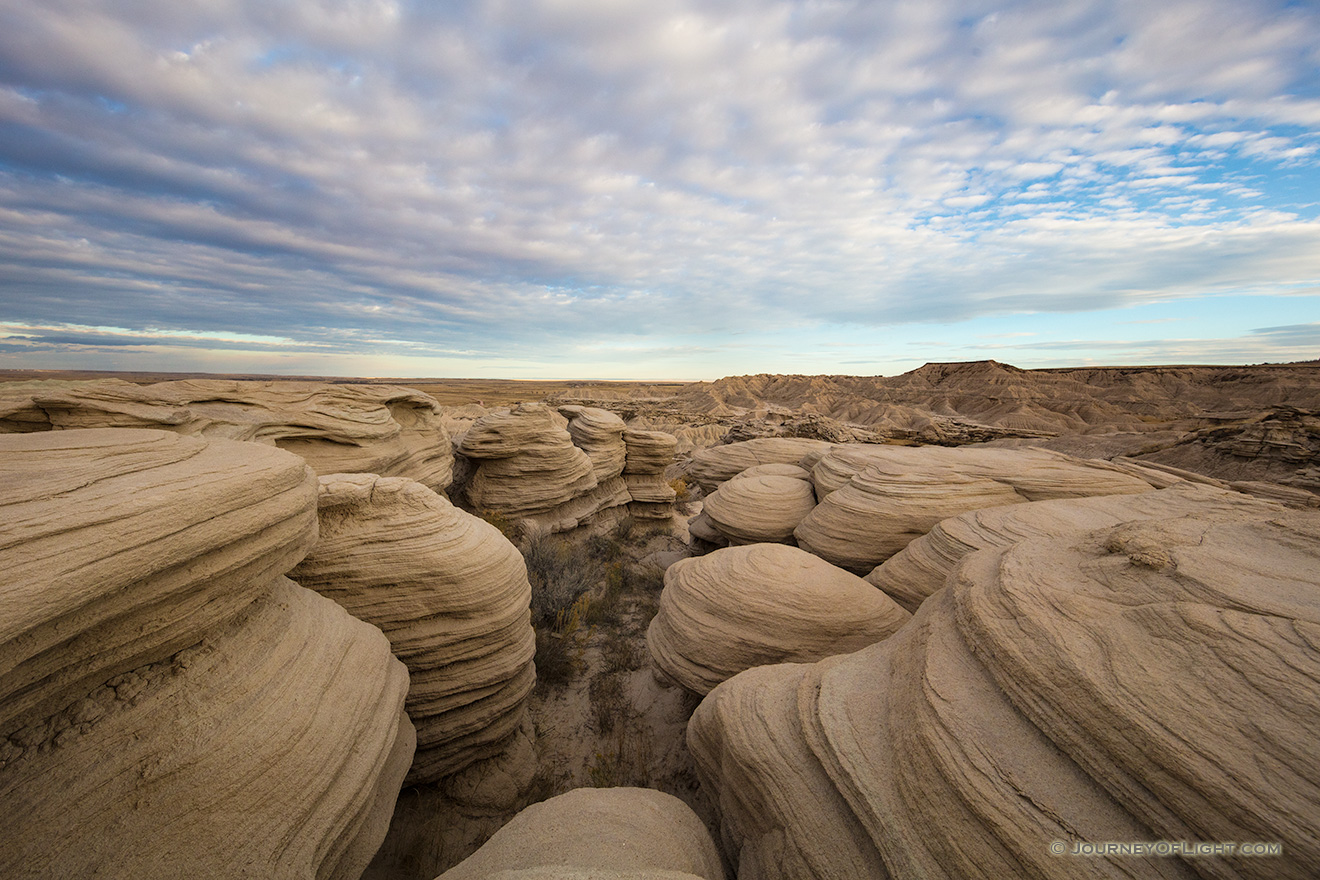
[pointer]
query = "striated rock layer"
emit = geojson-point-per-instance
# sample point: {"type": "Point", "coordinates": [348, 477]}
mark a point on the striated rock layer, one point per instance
{"type": "Point", "coordinates": [649, 453]}
{"type": "Point", "coordinates": [172, 705]}
{"type": "Point", "coordinates": [761, 506]}
{"type": "Point", "coordinates": [875, 499]}
{"type": "Point", "coordinates": [379, 429]}
{"type": "Point", "coordinates": [763, 603]}
{"type": "Point", "coordinates": [710, 467]}
{"type": "Point", "coordinates": [529, 469]}
{"type": "Point", "coordinates": [1149, 682]}
{"type": "Point", "coordinates": [921, 568]}
{"type": "Point", "coordinates": [604, 833]}
{"type": "Point", "coordinates": [121, 547]}
{"type": "Point", "coordinates": [451, 594]}
{"type": "Point", "coordinates": [535, 466]}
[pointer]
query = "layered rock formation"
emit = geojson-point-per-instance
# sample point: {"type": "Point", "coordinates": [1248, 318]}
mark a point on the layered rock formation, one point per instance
{"type": "Point", "coordinates": [710, 467]}
{"type": "Point", "coordinates": [598, 834]}
{"type": "Point", "coordinates": [527, 465]}
{"type": "Point", "coordinates": [875, 499]}
{"type": "Point", "coordinates": [649, 453]}
{"type": "Point", "coordinates": [764, 603]}
{"type": "Point", "coordinates": [169, 699]}
{"type": "Point", "coordinates": [529, 469]}
{"type": "Point", "coordinates": [598, 433]}
{"type": "Point", "coordinates": [922, 567]}
{"type": "Point", "coordinates": [1142, 683]}
{"type": "Point", "coordinates": [451, 594]}
{"type": "Point", "coordinates": [379, 429]}
{"type": "Point", "coordinates": [764, 503]}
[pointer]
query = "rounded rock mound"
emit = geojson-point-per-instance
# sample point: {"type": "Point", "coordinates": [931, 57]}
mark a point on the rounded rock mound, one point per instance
{"type": "Point", "coordinates": [451, 594]}
{"type": "Point", "coordinates": [169, 698]}
{"type": "Point", "coordinates": [764, 603]}
{"type": "Point", "coordinates": [1138, 683]}
{"type": "Point", "coordinates": [628, 833]}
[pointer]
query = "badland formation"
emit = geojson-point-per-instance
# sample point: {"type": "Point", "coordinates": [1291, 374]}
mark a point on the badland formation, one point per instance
{"type": "Point", "coordinates": [971, 621]}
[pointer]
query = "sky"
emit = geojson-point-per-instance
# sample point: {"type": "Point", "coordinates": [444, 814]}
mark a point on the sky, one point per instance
{"type": "Point", "coordinates": [658, 189]}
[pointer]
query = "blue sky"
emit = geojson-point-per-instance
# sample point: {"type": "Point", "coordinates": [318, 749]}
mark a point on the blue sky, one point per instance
{"type": "Point", "coordinates": [657, 189]}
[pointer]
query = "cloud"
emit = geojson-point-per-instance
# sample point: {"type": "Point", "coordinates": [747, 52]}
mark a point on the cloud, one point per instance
{"type": "Point", "coordinates": [516, 179]}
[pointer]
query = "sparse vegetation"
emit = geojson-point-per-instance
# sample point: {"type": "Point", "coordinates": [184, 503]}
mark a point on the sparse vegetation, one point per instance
{"type": "Point", "coordinates": [625, 760]}
{"type": "Point", "coordinates": [559, 573]}
{"type": "Point", "coordinates": [506, 526]}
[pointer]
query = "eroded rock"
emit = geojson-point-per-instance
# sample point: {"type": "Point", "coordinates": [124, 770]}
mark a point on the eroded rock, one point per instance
{"type": "Point", "coordinates": [451, 594]}
{"type": "Point", "coordinates": [764, 603]}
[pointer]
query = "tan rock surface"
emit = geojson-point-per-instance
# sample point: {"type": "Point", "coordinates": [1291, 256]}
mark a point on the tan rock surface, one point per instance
{"type": "Point", "coordinates": [451, 594]}
{"type": "Point", "coordinates": [120, 547]}
{"type": "Point", "coordinates": [274, 748]}
{"type": "Point", "coordinates": [763, 507]}
{"type": "Point", "coordinates": [764, 603]}
{"type": "Point", "coordinates": [879, 511]}
{"type": "Point", "coordinates": [598, 433]}
{"type": "Point", "coordinates": [172, 705]}
{"type": "Point", "coordinates": [380, 429]}
{"type": "Point", "coordinates": [635, 831]}
{"type": "Point", "coordinates": [649, 454]}
{"type": "Point", "coordinates": [875, 499]}
{"type": "Point", "coordinates": [922, 567]}
{"type": "Point", "coordinates": [527, 466]}
{"type": "Point", "coordinates": [710, 467]}
{"type": "Point", "coordinates": [1139, 683]}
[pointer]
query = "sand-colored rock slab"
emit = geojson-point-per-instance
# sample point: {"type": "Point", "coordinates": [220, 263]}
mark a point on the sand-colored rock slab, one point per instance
{"type": "Point", "coordinates": [598, 832]}
{"type": "Point", "coordinates": [759, 604]}
{"type": "Point", "coordinates": [379, 429]}
{"type": "Point", "coordinates": [120, 547]}
{"type": "Point", "coordinates": [275, 748]}
{"type": "Point", "coordinates": [172, 706]}
{"type": "Point", "coordinates": [528, 467]}
{"type": "Point", "coordinates": [1139, 683]}
{"type": "Point", "coordinates": [598, 433]}
{"type": "Point", "coordinates": [649, 453]}
{"type": "Point", "coordinates": [878, 512]}
{"type": "Point", "coordinates": [710, 467]}
{"type": "Point", "coordinates": [451, 594]}
{"type": "Point", "coordinates": [922, 567]}
{"type": "Point", "coordinates": [875, 499]}
{"type": "Point", "coordinates": [762, 507]}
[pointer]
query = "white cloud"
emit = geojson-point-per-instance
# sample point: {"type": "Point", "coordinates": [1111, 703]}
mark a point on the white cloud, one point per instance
{"type": "Point", "coordinates": [495, 173]}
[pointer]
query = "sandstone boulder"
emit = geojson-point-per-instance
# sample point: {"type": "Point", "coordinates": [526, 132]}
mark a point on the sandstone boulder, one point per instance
{"type": "Point", "coordinates": [120, 547]}
{"type": "Point", "coordinates": [381, 429]}
{"type": "Point", "coordinates": [755, 605]}
{"type": "Point", "coordinates": [1140, 683]}
{"type": "Point", "coordinates": [710, 467]}
{"type": "Point", "coordinates": [172, 705]}
{"type": "Point", "coordinates": [529, 469]}
{"type": "Point", "coordinates": [649, 454]}
{"type": "Point", "coordinates": [761, 507]}
{"type": "Point", "coordinates": [875, 499]}
{"type": "Point", "coordinates": [451, 594]}
{"type": "Point", "coordinates": [598, 433]}
{"type": "Point", "coordinates": [923, 566]}
{"type": "Point", "coordinates": [604, 833]}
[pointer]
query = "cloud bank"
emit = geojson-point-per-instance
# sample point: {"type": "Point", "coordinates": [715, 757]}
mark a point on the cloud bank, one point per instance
{"type": "Point", "coordinates": [659, 189]}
